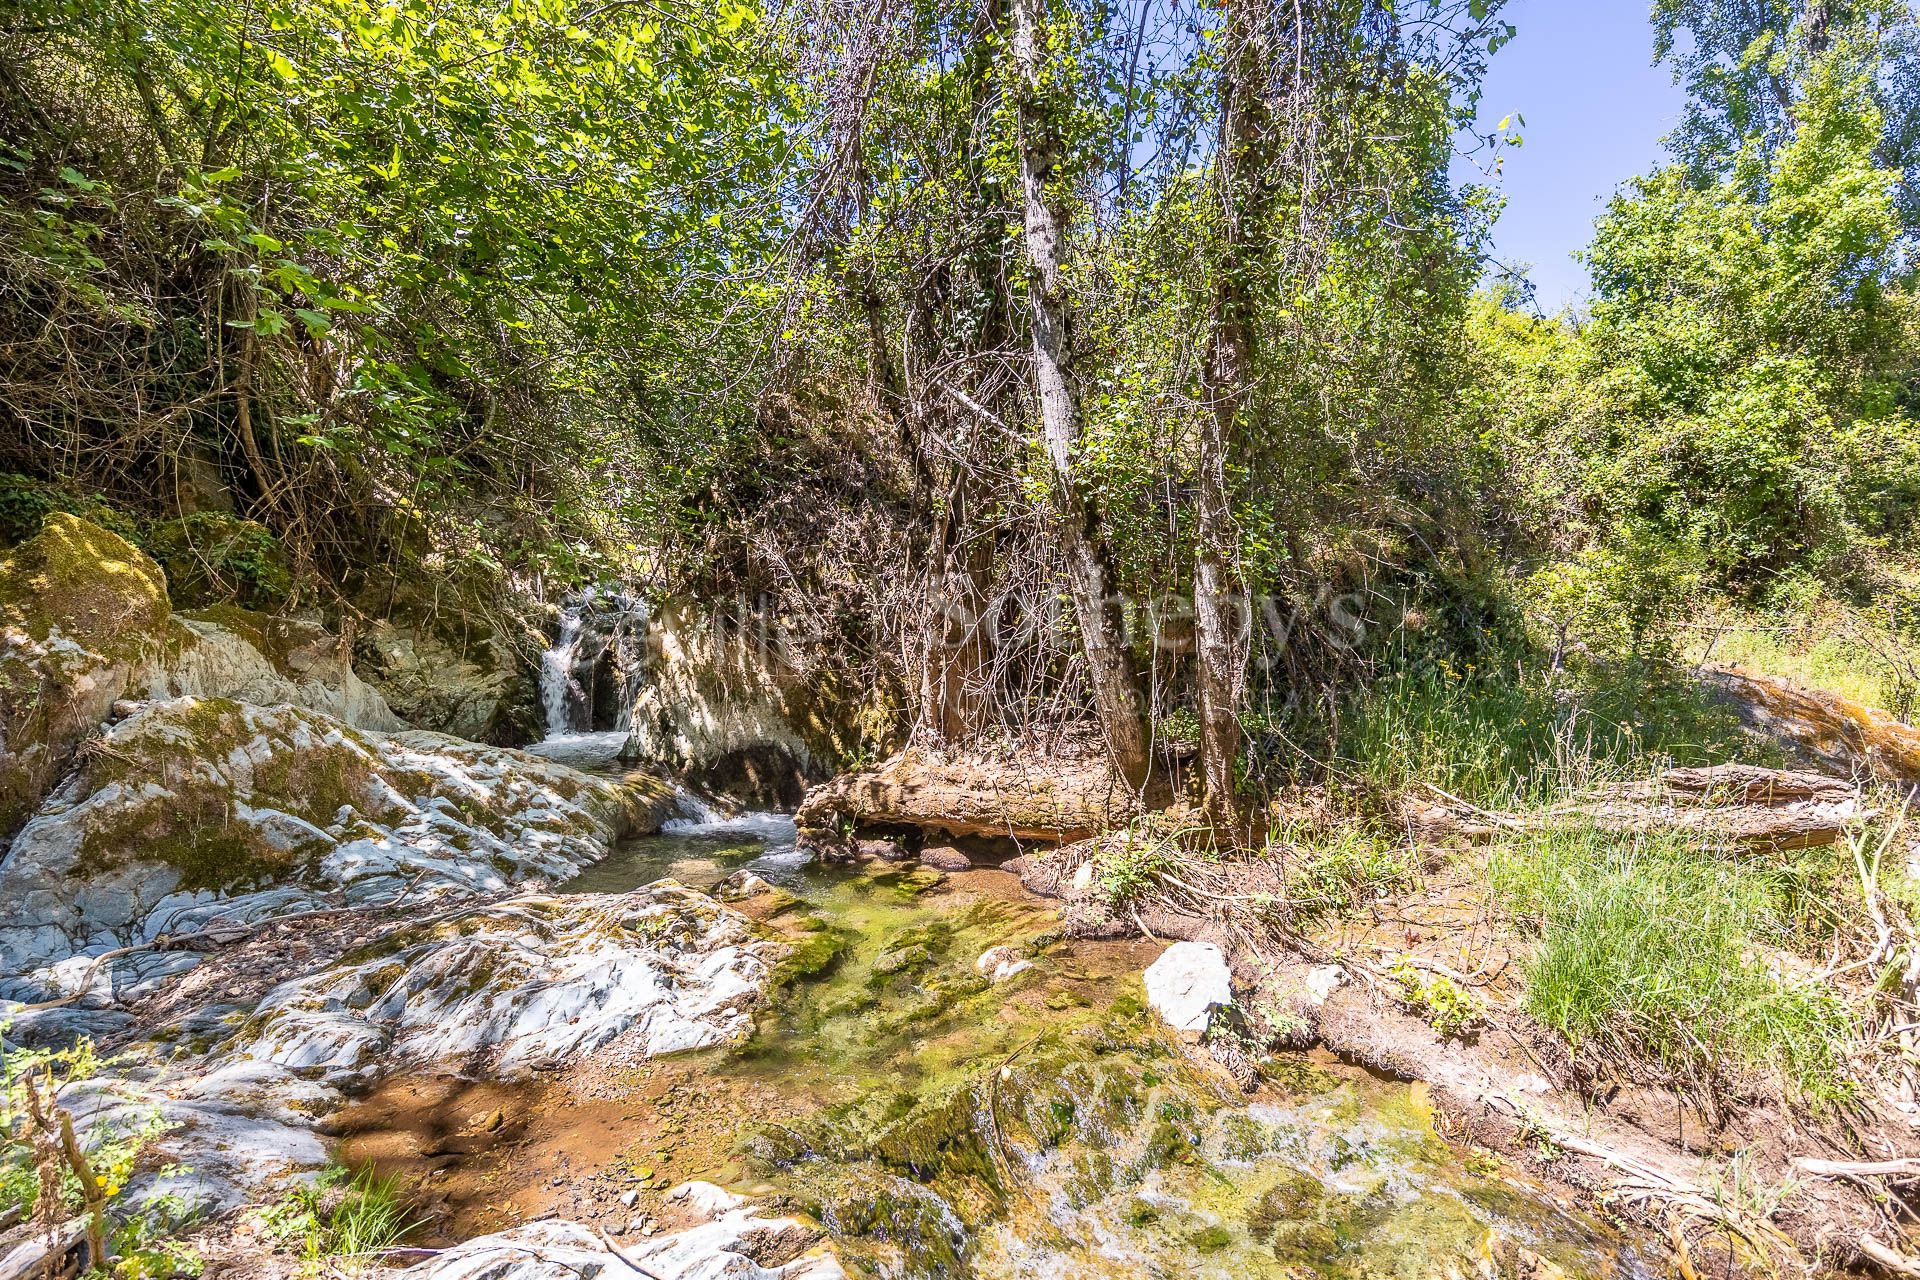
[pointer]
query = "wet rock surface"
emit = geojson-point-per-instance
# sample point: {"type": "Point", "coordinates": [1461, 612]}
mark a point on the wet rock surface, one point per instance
{"type": "Point", "coordinates": [732, 1247]}
{"type": "Point", "coordinates": [525, 985]}
{"type": "Point", "coordinates": [500, 992]}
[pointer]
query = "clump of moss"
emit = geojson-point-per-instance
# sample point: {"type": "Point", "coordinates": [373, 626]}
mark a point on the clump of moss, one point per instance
{"type": "Point", "coordinates": [189, 819]}
{"type": "Point", "coordinates": [215, 558]}
{"type": "Point", "coordinates": [107, 603]}
{"type": "Point", "coordinates": [89, 583]}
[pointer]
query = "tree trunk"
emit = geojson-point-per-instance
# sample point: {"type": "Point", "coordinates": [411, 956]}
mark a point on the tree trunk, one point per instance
{"type": "Point", "coordinates": [1221, 649]}
{"type": "Point", "coordinates": [1103, 633]}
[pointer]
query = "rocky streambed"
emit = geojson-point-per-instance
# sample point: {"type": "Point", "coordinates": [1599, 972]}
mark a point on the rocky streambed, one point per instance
{"type": "Point", "coordinates": [706, 1054]}
{"type": "Point", "coordinates": [596, 1030]}
{"type": "Point", "coordinates": [941, 1086]}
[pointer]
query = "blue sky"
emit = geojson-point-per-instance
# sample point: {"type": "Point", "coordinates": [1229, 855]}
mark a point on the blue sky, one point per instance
{"type": "Point", "coordinates": [1595, 109]}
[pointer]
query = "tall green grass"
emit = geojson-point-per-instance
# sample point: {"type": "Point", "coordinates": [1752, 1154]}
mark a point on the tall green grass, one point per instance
{"type": "Point", "coordinates": [344, 1221]}
{"type": "Point", "coordinates": [1849, 656]}
{"type": "Point", "coordinates": [1653, 946]}
{"type": "Point", "coordinates": [1505, 737]}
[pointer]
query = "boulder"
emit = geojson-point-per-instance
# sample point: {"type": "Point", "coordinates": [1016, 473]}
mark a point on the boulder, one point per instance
{"type": "Point", "coordinates": [723, 711]}
{"type": "Point", "coordinates": [1186, 984]}
{"type": "Point", "coordinates": [227, 652]}
{"type": "Point", "coordinates": [200, 809]}
{"type": "Point", "coordinates": [480, 686]}
{"type": "Point", "coordinates": [882, 850]}
{"type": "Point", "coordinates": [944, 857]}
{"type": "Point", "coordinates": [1024, 796]}
{"type": "Point", "coordinates": [80, 610]}
{"type": "Point", "coordinates": [528, 984]}
{"type": "Point", "coordinates": [1832, 731]}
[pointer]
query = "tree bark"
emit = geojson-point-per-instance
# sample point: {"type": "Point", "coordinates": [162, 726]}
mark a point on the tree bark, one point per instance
{"type": "Point", "coordinates": [1220, 660]}
{"type": "Point", "coordinates": [1116, 690]}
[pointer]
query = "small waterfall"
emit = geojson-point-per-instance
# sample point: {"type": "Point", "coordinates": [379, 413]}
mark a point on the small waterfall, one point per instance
{"type": "Point", "coordinates": [592, 674]}
{"type": "Point", "coordinates": [560, 693]}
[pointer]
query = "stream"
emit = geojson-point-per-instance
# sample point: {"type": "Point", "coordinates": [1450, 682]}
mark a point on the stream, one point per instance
{"type": "Point", "coordinates": [942, 1126]}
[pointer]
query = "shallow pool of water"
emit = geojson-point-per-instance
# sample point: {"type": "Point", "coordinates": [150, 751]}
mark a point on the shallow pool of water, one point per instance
{"type": "Point", "coordinates": [943, 1126]}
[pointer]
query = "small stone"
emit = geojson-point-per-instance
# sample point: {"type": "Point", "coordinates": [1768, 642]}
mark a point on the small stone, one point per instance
{"type": "Point", "coordinates": [635, 1227]}
{"type": "Point", "coordinates": [944, 857]}
{"type": "Point", "coordinates": [1186, 983]}
{"type": "Point", "coordinates": [997, 964]}
{"type": "Point", "coordinates": [740, 886]}
{"type": "Point", "coordinates": [628, 1197]}
{"type": "Point", "coordinates": [885, 850]}
{"type": "Point", "coordinates": [648, 1230]}
{"type": "Point", "coordinates": [900, 961]}
{"type": "Point", "coordinates": [1323, 980]}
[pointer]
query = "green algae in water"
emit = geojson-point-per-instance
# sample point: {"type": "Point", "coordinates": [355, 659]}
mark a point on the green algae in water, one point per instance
{"type": "Point", "coordinates": [1016, 1135]}
{"type": "Point", "coordinates": [942, 1128]}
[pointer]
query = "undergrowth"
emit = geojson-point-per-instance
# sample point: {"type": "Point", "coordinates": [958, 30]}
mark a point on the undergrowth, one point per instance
{"type": "Point", "coordinates": [1825, 646]}
{"type": "Point", "coordinates": [1652, 946]}
{"type": "Point", "coordinates": [1643, 948]}
{"type": "Point", "coordinates": [342, 1220]}
{"type": "Point", "coordinates": [1505, 736]}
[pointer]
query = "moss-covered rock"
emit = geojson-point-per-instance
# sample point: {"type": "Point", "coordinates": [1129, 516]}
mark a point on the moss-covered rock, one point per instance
{"type": "Point", "coordinates": [211, 557]}
{"type": "Point", "coordinates": [477, 686]}
{"type": "Point", "coordinates": [80, 609]}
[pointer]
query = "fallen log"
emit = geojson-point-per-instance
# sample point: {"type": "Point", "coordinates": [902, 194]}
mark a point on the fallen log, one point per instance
{"type": "Point", "coordinates": [1726, 806]}
{"type": "Point", "coordinates": [1836, 732]}
{"type": "Point", "coordinates": [1023, 796]}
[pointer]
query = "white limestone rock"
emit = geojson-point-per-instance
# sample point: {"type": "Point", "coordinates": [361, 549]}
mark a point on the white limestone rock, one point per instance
{"type": "Point", "coordinates": [706, 1200]}
{"type": "Point", "coordinates": [215, 1139]}
{"type": "Point", "coordinates": [997, 964]}
{"type": "Point", "coordinates": [726, 1249]}
{"type": "Point", "coordinates": [1323, 980]}
{"type": "Point", "coordinates": [267, 661]}
{"type": "Point", "coordinates": [525, 984]}
{"type": "Point", "coordinates": [1186, 984]}
{"type": "Point", "coordinates": [197, 810]}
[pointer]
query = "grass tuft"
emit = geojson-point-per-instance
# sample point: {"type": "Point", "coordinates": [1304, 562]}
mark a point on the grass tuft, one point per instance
{"type": "Point", "coordinates": [1505, 738]}
{"type": "Point", "coordinates": [343, 1221]}
{"type": "Point", "coordinates": [1651, 946]}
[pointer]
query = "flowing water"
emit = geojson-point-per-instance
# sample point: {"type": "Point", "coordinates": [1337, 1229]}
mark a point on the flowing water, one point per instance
{"type": "Point", "coordinates": [590, 676]}
{"type": "Point", "coordinates": [559, 690]}
{"type": "Point", "coordinates": [943, 1126]}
